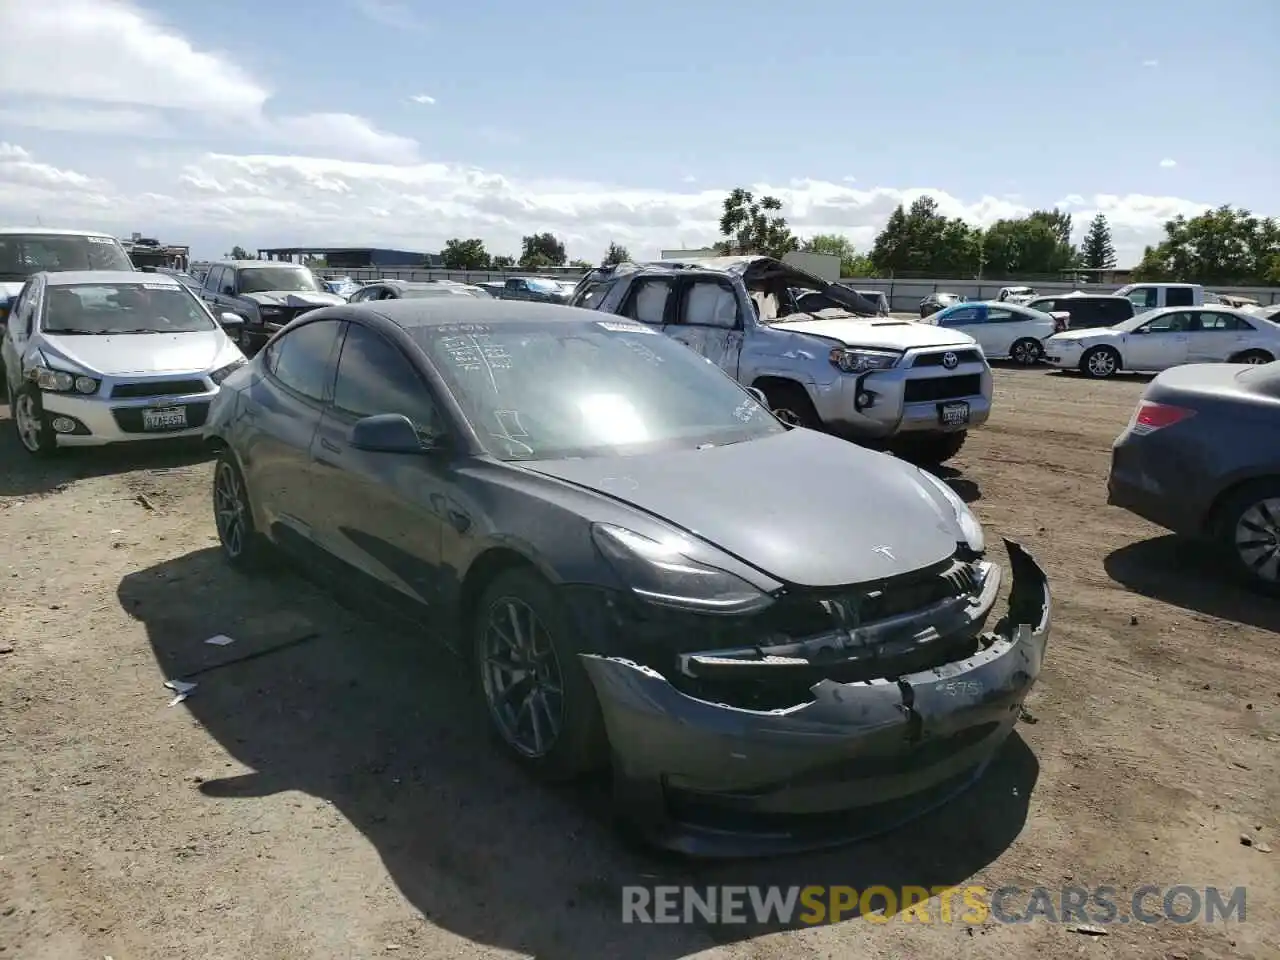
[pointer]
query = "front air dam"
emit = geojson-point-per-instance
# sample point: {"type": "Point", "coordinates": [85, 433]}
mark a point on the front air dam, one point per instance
{"type": "Point", "coordinates": [711, 780]}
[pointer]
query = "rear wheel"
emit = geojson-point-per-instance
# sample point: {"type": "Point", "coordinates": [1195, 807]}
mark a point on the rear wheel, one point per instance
{"type": "Point", "coordinates": [1100, 362]}
{"type": "Point", "coordinates": [1026, 352]}
{"type": "Point", "coordinates": [791, 404]}
{"type": "Point", "coordinates": [929, 449]}
{"type": "Point", "coordinates": [540, 702]}
{"type": "Point", "coordinates": [1255, 357]}
{"type": "Point", "coordinates": [1249, 528]}
{"type": "Point", "coordinates": [242, 544]}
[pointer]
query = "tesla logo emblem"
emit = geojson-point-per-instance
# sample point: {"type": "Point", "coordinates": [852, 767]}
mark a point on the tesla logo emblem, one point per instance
{"type": "Point", "coordinates": [950, 360]}
{"type": "Point", "coordinates": [883, 551]}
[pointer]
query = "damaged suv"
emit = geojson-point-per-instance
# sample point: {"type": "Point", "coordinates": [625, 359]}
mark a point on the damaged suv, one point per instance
{"type": "Point", "coordinates": [581, 497]}
{"type": "Point", "coordinates": [816, 350]}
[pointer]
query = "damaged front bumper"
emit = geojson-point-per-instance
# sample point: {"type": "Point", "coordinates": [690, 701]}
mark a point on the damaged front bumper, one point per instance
{"type": "Point", "coordinates": [708, 779]}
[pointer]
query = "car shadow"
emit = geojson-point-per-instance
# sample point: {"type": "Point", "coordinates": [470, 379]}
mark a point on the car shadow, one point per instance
{"type": "Point", "coordinates": [1184, 573]}
{"type": "Point", "coordinates": [24, 475]}
{"type": "Point", "coordinates": [315, 698]}
{"type": "Point", "coordinates": [966, 489]}
{"type": "Point", "coordinates": [1123, 376]}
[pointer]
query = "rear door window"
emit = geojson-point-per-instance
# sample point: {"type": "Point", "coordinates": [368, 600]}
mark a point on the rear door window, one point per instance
{"type": "Point", "coordinates": [1179, 297]}
{"type": "Point", "coordinates": [302, 359]}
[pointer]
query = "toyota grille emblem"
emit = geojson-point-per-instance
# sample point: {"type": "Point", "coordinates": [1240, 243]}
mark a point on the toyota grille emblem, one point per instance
{"type": "Point", "coordinates": [950, 360]}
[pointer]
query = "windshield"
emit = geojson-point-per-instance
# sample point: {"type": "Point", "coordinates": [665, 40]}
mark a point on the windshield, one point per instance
{"type": "Point", "coordinates": [543, 286]}
{"type": "Point", "coordinates": [22, 254]}
{"type": "Point", "coordinates": [541, 391]}
{"type": "Point", "coordinates": [107, 308]}
{"type": "Point", "coordinates": [282, 279]}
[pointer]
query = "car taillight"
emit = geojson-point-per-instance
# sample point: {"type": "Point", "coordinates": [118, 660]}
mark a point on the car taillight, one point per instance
{"type": "Point", "coordinates": [1156, 416]}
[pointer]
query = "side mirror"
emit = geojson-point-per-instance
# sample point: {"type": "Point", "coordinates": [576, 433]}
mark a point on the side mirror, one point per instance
{"type": "Point", "coordinates": [759, 395]}
{"type": "Point", "coordinates": [230, 320]}
{"type": "Point", "coordinates": [388, 433]}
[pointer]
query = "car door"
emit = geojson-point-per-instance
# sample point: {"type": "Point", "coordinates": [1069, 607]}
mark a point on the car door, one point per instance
{"type": "Point", "coordinates": [1160, 342]}
{"type": "Point", "coordinates": [381, 513]}
{"type": "Point", "coordinates": [967, 319]}
{"type": "Point", "coordinates": [1001, 327]}
{"type": "Point", "coordinates": [280, 416]}
{"type": "Point", "coordinates": [209, 290]}
{"type": "Point", "coordinates": [708, 318]}
{"type": "Point", "coordinates": [1214, 337]}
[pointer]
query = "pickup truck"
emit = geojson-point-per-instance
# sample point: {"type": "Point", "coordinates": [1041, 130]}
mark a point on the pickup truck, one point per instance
{"type": "Point", "coordinates": [816, 351]}
{"type": "Point", "coordinates": [1153, 296]}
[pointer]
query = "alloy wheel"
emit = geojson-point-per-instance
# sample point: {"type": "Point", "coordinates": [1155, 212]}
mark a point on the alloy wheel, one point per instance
{"type": "Point", "coordinates": [1257, 539]}
{"type": "Point", "coordinates": [1102, 363]}
{"type": "Point", "coordinates": [523, 685]}
{"type": "Point", "coordinates": [27, 421]}
{"type": "Point", "coordinates": [229, 510]}
{"type": "Point", "coordinates": [1024, 353]}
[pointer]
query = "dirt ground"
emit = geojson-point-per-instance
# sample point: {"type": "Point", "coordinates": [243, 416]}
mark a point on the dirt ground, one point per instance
{"type": "Point", "coordinates": [336, 798]}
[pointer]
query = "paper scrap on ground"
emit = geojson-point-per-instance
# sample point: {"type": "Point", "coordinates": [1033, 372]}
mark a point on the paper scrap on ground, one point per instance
{"type": "Point", "coordinates": [181, 688]}
{"type": "Point", "coordinates": [221, 640]}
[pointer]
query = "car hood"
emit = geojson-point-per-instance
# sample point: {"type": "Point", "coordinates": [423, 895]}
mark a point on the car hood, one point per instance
{"type": "Point", "coordinates": [851, 516]}
{"type": "Point", "coordinates": [129, 353]}
{"type": "Point", "coordinates": [292, 298]}
{"type": "Point", "coordinates": [881, 334]}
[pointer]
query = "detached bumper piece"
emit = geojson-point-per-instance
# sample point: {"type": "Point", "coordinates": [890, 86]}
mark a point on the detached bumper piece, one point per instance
{"type": "Point", "coordinates": [855, 759]}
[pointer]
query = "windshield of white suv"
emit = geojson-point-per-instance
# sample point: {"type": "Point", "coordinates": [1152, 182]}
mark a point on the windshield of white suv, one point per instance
{"type": "Point", "coordinates": [278, 279]}
{"type": "Point", "coordinates": [22, 254]}
{"type": "Point", "coordinates": [84, 309]}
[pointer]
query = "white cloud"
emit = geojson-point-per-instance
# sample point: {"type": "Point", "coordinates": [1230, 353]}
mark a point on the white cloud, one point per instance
{"type": "Point", "coordinates": [423, 98]}
{"type": "Point", "coordinates": [1168, 164]}
{"type": "Point", "coordinates": [216, 200]}
{"type": "Point", "coordinates": [688, 178]}
{"type": "Point", "coordinates": [1150, 63]}
{"type": "Point", "coordinates": [389, 13]}
{"type": "Point", "coordinates": [111, 54]}
{"type": "Point", "coordinates": [848, 179]}
{"type": "Point", "coordinates": [99, 121]}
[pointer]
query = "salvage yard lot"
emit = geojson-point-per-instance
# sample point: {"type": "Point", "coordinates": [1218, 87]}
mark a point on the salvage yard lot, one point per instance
{"type": "Point", "coordinates": [337, 798]}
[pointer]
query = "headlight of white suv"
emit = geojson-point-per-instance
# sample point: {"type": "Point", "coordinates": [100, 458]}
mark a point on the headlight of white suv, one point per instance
{"type": "Point", "coordinates": [860, 359]}
{"type": "Point", "coordinates": [60, 381]}
{"type": "Point", "coordinates": [974, 538]}
{"type": "Point", "coordinates": [223, 372]}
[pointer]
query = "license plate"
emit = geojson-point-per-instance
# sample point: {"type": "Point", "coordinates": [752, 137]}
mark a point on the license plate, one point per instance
{"type": "Point", "coordinates": [166, 418]}
{"type": "Point", "coordinates": [953, 414]}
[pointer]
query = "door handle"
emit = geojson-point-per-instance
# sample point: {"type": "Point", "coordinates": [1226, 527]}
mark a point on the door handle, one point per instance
{"type": "Point", "coordinates": [329, 445]}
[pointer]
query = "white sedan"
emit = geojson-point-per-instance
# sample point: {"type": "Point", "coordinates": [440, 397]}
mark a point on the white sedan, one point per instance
{"type": "Point", "coordinates": [1159, 339]}
{"type": "Point", "coordinates": [1005, 331]}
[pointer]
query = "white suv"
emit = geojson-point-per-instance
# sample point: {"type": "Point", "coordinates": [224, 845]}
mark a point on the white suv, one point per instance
{"type": "Point", "coordinates": [95, 357]}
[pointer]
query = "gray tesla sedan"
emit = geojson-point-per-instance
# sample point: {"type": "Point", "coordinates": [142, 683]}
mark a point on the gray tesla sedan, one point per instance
{"type": "Point", "coordinates": [777, 639]}
{"type": "Point", "coordinates": [1201, 457]}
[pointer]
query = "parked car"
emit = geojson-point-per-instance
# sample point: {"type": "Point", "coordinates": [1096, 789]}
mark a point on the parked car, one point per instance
{"type": "Point", "coordinates": [342, 286]}
{"type": "Point", "coordinates": [938, 301]}
{"type": "Point", "coordinates": [186, 279]}
{"type": "Point", "coordinates": [537, 289]}
{"type": "Point", "coordinates": [411, 289]}
{"type": "Point", "coordinates": [1201, 457]}
{"type": "Point", "coordinates": [1159, 339]}
{"type": "Point", "coordinates": [265, 294]}
{"type": "Point", "coordinates": [878, 299]}
{"type": "Point", "coordinates": [811, 347]}
{"type": "Point", "coordinates": [1016, 294]}
{"type": "Point", "coordinates": [1085, 310]}
{"type": "Point", "coordinates": [1155, 296]}
{"type": "Point", "coordinates": [108, 356]}
{"type": "Point", "coordinates": [1005, 331]}
{"type": "Point", "coordinates": [526, 478]}
{"type": "Point", "coordinates": [25, 251]}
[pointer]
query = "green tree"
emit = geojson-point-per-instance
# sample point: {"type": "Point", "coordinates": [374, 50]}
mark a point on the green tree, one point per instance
{"type": "Point", "coordinates": [616, 253]}
{"type": "Point", "coordinates": [1037, 244]}
{"type": "Point", "coordinates": [465, 255]}
{"type": "Point", "coordinates": [751, 226]}
{"type": "Point", "coordinates": [541, 250]}
{"type": "Point", "coordinates": [1223, 246]}
{"type": "Point", "coordinates": [503, 262]}
{"type": "Point", "coordinates": [1098, 252]}
{"type": "Point", "coordinates": [581, 264]}
{"type": "Point", "coordinates": [852, 263]}
{"type": "Point", "coordinates": [923, 241]}
{"type": "Point", "coordinates": [238, 253]}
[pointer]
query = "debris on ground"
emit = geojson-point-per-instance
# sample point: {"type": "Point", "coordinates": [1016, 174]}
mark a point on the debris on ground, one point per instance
{"type": "Point", "coordinates": [181, 688]}
{"type": "Point", "coordinates": [1089, 930]}
{"type": "Point", "coordinates": [221, 640]}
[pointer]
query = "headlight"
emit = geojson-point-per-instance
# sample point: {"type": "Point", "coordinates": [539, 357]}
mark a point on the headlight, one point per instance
{"type": "Point", "coordinates": [968, 523]}
{"type": "Point", "coordinates": [269, 312]}
{"type": "Point", "coordinates": [59, 381]}
{"type": "Point", "coordinates": [857, 359]}
{"type": "Point", "coordinates": [661, 573]}
{"type": "Point", "coordinates": [223, 372]}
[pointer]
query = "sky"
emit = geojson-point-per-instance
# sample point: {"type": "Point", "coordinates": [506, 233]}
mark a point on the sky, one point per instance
{"type": "Point", "coordinates": [403, 123]}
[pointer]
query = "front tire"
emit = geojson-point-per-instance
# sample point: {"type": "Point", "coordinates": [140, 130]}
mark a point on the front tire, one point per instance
{"type": "Point", "coordinates": [790, 403]}
{"type": "Point", "coordinates": [1100, 363]}
{"type": "Point", "coordinates": [931, 449]}
{"type": "Point", "coordinates": [34, 432]}
{"type": "Point", "coordinates": [541, 705]}
{"type": "Point", "coordinates": [1026, 352]}
{"type": "Point", "coordinates": [1248, 528]}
